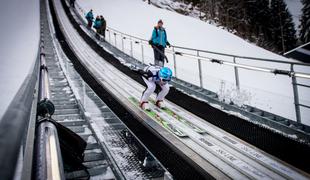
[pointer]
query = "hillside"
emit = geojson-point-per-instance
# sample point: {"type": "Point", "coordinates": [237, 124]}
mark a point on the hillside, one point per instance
{"type": "Point", "coordinates": [137, 18]}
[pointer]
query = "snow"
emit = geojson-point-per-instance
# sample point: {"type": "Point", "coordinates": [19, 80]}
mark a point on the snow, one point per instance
{"type": "Point", "coordinates": [174, 5]}
{"type": "Point", "coordinates": [138, 19]}
{"type": "Point", "coordinates": [294, 7]}
{"type": "Point", "coordinates": [19, 37]}
{"type": "Point", "coordinates": [265, 91]}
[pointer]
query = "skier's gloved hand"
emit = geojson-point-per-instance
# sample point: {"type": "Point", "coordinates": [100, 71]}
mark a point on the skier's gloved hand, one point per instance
{"type": "Point", "coordinates": [168, 44]}
{"type": "Point", "coordinates": [147, 74]}
{"type": "Point", "coordinates": [151, 42]}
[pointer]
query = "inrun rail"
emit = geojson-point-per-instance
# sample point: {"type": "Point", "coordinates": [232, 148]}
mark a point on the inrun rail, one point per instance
{"type": "Point", "coordinates": [215, 151]}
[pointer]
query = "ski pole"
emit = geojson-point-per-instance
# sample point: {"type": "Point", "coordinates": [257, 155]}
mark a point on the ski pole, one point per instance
{"type": "Point", "coordinates": [154, 47]}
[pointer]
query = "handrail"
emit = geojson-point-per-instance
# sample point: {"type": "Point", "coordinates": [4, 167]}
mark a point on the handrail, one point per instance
{"type": "Point", "coordinates": [213, 52]}
{"type": "Point", "coordinates": [48, 160]}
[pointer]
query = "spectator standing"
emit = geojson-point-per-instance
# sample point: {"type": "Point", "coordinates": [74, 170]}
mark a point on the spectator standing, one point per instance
{"type": "Point", "coordinates": [89, 17]}
{"type": "Point", "coordinates": [159, 42]}
{"type": "Point", "coordinates": [97, 25]}
{"type": "Point", "coordinates": [103, 26]}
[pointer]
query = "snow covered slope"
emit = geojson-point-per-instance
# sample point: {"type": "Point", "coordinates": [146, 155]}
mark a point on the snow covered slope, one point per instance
{"type": "Point", "coordinates": [137, 18]}
{"type": "Point", "coordinates": [266, 91]}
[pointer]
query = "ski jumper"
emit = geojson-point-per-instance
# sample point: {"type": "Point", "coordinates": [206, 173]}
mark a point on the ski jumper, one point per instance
{"type": "Point", "coordinates": [151, 78]}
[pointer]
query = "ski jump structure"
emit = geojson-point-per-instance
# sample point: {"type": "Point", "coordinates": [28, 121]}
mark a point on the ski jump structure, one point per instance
{"type": "Point", "coordinates": [79, 112]}
{"type": "Point", "coordinates": [210, 149]}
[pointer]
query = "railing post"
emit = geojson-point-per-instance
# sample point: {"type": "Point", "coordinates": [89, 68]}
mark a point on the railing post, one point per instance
{"type": "Point", "coordinates": [110, 36]}
{"type": "Point", "coordinates": [131, 48]}
{"type": "Point", "coordinates": [115, 44]}
{"type": "Point", "coordinates": [84, 93]}
{"type": "Point", "coordinates": [296, 96]}
{"type": "Point", "coordinates": [236, 75]}
{"type": "Point", "coordinates": [123, 49]}
{"type": "Point", "coordinates": [174, 63]}
{"type": "Point", "coordinates": [142, 52]}
{"type": "Point", "coordinates": [200, 71]}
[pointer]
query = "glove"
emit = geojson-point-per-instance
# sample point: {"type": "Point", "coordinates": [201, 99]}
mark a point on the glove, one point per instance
{"type": "Point", "coordinates": [168, 44]}
{"type": "Point", "coordinates": [151, 42]}
{"type": "Point", "coordinates": [147, 74]}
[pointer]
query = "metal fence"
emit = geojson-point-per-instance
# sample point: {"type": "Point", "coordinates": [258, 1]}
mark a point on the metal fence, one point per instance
{"type": "Point", "coordinates": [136, 47]}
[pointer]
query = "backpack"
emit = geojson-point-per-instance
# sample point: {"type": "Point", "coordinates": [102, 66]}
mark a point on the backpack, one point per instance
{"type": "Point", "coordinates": [157, 34]}
{"type": "Point", "coordinates": [157, 31]}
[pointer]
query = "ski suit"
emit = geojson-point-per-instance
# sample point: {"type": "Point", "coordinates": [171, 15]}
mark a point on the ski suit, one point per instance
{"type": "Point", "coordinates": [151, 78]}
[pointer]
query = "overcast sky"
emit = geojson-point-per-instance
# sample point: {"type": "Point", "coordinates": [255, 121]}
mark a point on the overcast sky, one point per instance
{"type": "Point", "coordinates": [19, 39]}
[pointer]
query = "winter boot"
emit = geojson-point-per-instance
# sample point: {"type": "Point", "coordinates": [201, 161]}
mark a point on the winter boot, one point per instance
{"type": "Point", "coordinates": [160, 104]}
{"type": "Point", "coordinates": [145, 106]}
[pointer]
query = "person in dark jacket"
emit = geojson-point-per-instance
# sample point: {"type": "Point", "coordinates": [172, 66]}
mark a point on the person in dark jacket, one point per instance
{"type": "Point", "coordinates": [97, 26]}
{"type": "Point", "coordinates": [103, 26]}
{"type": "Point", "coordinates": [89, 17]}
{"type": "Point", "coordinates": [159, 42]}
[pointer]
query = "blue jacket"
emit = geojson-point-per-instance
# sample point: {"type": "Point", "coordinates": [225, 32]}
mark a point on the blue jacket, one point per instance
{"type": "Point", "coordinates": [89, 16]}
{"type": "Point", "coordinates": [97, 23]}
{"type": "Point", "coordinates": [159, 37]}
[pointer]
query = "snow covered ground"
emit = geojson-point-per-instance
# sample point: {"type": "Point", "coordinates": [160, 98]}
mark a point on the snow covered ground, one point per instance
{"type": "Point", "coordinates": [19, 42]}
{"type": "Point", "coordinates": [266, 91]}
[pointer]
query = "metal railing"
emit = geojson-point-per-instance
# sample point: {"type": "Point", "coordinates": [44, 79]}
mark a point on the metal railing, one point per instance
{"type": "Point", "coordinates": [48, 160]}
{"type": "Point", "coordinates": [235, 61]}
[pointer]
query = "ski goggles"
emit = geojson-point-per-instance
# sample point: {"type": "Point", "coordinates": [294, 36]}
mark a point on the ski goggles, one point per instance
{"type": "Point", "coordinates": [165, 80]}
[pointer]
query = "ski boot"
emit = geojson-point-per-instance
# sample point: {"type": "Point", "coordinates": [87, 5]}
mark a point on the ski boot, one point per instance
{"type": "Point", "coordinates": [160, 104]}
{"type": "Point", "coordinates": [145, 106]}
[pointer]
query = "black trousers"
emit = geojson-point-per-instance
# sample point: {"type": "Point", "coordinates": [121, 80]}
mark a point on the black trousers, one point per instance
{"type": "Point", "coordinates": [159, 55]}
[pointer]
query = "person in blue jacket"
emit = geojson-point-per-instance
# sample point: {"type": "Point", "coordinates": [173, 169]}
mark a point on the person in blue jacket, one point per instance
{"type": "Point", "coordinates": [159, 42]}
{"type": "Point", "coordinates": [97, 24]}
{"type": "Point", "coordinates": [89, 17]}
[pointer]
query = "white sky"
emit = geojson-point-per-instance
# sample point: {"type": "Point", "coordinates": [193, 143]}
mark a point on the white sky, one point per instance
{"type": "Point", "coordinates": [19, 38]}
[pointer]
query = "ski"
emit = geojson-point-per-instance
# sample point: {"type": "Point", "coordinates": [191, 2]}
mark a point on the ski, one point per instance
{"type": "Point", "coordinates": [182, 119]}
{"type": "Point", "coordinates": [160, 120]}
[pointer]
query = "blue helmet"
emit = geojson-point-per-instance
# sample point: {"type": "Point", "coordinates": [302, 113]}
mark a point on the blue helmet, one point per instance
{"type": "Point", "coordinates": [165, 74]}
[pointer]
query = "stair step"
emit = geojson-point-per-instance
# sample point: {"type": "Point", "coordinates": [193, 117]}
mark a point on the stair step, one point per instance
{"type": "Point", "coordinates": [86, 136]}
{"type": "Point", "coordinates": [66, 111]}
{"type": "Point", "coordinates": [92, 164]}
{"type": "Point", "coordinates": [72, 106]}
{"type": "Point", "coordinates": [93, 156]}
{"type": "Point", "coordinates": [77, 129]}
{"type": "Point", "coordinates": [63, 99]}
{"type": "Point", "coordinates": [103, 170]}
{"type": "Point", "coordinates": [61, 94]}
{"type": "Point", "coordinates": [73, 123]}
{"type": "Point", "coordinates": [92, 146]}
{"type": "Point", "coordinates": [64, 102]}
{"type": "Point", "coordinates": [68, 117]}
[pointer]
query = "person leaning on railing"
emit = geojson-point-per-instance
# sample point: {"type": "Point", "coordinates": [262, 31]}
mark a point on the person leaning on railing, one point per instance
{"type": "Point", "coordinates": [103, 26]}
{"type": "Point", "coordinates": [159, 42]}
